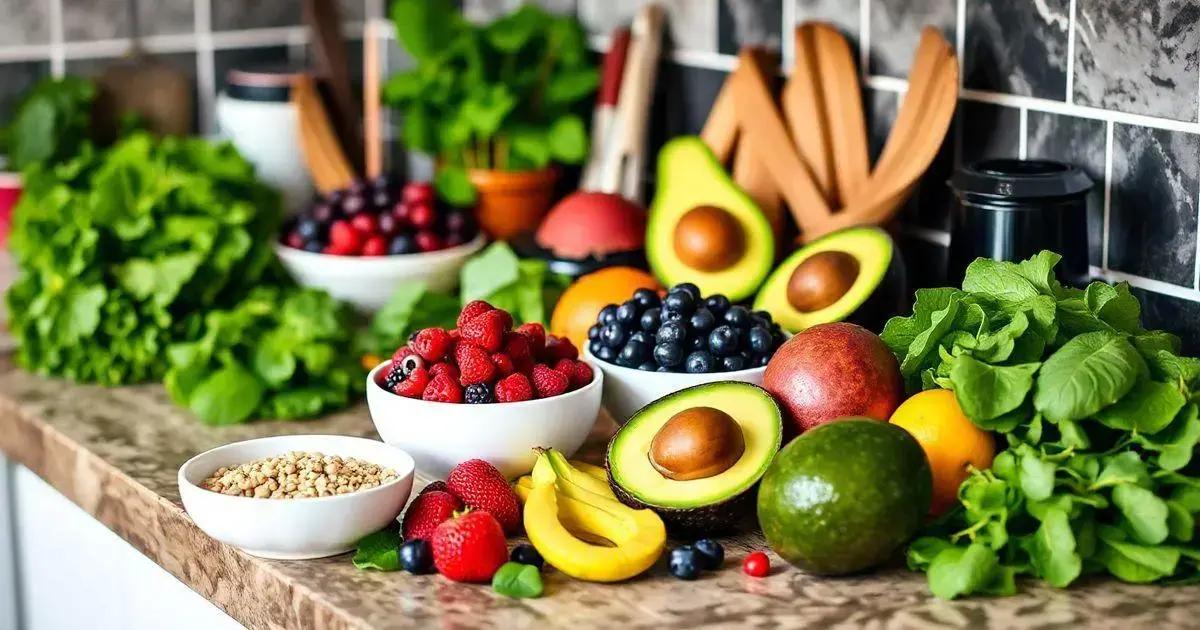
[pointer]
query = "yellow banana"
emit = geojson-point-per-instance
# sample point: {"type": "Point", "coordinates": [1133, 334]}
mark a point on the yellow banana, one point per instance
{"type": "Point", "coordinates": [524, 484]}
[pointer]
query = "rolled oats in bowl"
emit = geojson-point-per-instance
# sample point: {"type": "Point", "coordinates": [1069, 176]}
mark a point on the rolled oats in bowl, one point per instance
{"type": "Point", "coordinates": [298, 475]}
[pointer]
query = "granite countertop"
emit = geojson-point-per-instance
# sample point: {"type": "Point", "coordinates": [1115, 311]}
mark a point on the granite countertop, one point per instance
{"type": "Point", "coordinates": [115, 453]}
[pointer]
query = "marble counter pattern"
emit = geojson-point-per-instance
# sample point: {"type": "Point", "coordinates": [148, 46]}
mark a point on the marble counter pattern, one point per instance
{"type": "Point", "coordinates": [115, 453]}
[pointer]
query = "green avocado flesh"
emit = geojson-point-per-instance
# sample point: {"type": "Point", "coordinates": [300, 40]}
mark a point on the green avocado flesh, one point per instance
{"type": "Point", "coordinates": [843, 497]}
{"type": "Point", "coordinates": [697, 504]}
{"type": "Point", "coordinates": [880, 271]}
{"type": "Point", "coordinates": [689, 175]}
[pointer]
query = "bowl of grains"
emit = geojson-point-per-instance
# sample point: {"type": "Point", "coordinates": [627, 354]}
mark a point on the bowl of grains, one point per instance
{"type": "Point", "coordinates": [294, 497]}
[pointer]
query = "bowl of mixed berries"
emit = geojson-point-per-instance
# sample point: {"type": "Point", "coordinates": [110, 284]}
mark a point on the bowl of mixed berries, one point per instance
{"type": "Point", "coordinates": [486, 390]}
{"type": "Point", "coordinates": [652, 345]}
{"type": "Point", "coordinates": [360, 243]}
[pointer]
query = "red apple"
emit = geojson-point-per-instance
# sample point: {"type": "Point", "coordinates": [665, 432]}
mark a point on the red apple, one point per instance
{"type": "Point", "coordinates": [832, 371]}
{"type": "Point", "coordinates": [592, 224]}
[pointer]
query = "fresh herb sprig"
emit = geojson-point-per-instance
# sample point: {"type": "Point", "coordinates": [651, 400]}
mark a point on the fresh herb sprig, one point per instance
{"type": "Point", "coordinates": [1100, 417]}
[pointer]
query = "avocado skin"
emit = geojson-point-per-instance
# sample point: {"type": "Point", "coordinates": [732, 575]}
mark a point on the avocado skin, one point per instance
{"type": "Point", "coordinates": [843, 497]}
{"type": "Point", "coordinates": [728, 516]}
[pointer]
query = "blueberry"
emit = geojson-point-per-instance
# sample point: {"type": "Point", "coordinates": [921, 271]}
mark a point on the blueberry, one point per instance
{"type": "Point", "coordinates": [594, 332]}
{"type": "Point", "coordinates": [382, 199]}
{"type": "Point", "coordinates": [308, 228]}
{"type": "Point", "coordinates": [628, 312]}
{"type": "Point", "coordinates": [608, 314]}
{"type": "Point", "coordinates": [322, 213]}
{"type": "Point", "coordinates": [663, 368]}
{"type": "Point", "coordinates": [733, 364]}
{"type": "Point", "coordinates": [763, 315]}
{"type": "Point", "coordinates": [650, 320]}
{"type": "Point", "coordinates": [335, 197]}
{"type": "Point", "coordinates": [760, 340]}
{"type": "Point", "coordinates": [718, 304]}
{"type": "Point", "coordinates": [648, 366]}
{"type": "Point", "coordinates": [416, 556]}
{"type": "Point", "coordinates": [605, 354]}
{"type": "Point", "coordinates": [671, 316]}
{"type": "Point", "coordinates": [647, 298]}
{"type": "Point", "coordinates": [639, 336]}
{"type": "Point", "coordinates": [680, 302]}
{"type": "Point", "coordinates": [668, 354]}
{"type": "Point", "coordinates": [595, 345]}
{"type": "Point", "coordinates": [526, 554]}
{"type": "Point", "coordinates": [633, 354]}
{"type": "Point", "coordinates": [613, 335]}
{"type": "Point", "coordinates": [737, 316]}
{"type": "Point", "coordinates": [690, 288]}
{"type": "Point", "coordinates": [671, 332]}
{"type": "Point", "coordinates": [402, 244]}
{"type": "Point", "coordinates": [723, 341]}
{"type": "Point", "coordinates": [711, 553]}
{"type": "Point", "coordinates": [699, 362]}
{"type": "Point", "coordinates": [381, 182]}
{"type": "Point", "coordinates": [762, 360]}
{"type": "Point", "coordinates": [703, 320]}
{"type": "Point", "coordinates": [697, 342]}
{"type": "Point", "coordinates": [685, 563]}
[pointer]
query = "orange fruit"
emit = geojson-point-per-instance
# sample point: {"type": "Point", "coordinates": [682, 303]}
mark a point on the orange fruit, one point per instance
{"type": "Point", "coordinates": [579, 305]}
{"type": "Point", "coordinates": [950, 440]}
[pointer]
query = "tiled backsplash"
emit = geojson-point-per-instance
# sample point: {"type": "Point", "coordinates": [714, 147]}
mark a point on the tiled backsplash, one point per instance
{"type": "Point", "coordinates": [1111, 85]}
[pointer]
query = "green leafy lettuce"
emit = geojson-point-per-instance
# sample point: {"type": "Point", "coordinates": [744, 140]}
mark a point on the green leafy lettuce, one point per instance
{"type": "Point", "coordinates": [51, 123]}
{"type": "Point", "coordinates": [1100, 419]}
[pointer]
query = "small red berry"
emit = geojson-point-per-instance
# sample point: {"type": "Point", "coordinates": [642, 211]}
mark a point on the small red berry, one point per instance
{"type": "Point", "coordinates": [516, 345]}
{"type": "Point", "coordinates": [401, 212]}
{"type": "Point", "coordinates": [374, 246]}
{"type": "Point", "coordinates": [536, 334]}
{"type": "Point", "coordinates": [421, 215]}
{"type": "Point", "coordinates": [431, 343]}
{"type": "Point", "coordinates": [474, 364]}
{"type": "Point", "coordinates": [486, 330]}
{"type": "Point", "coordinates": [548, 382]}
{"type": "Point", "coordinates": [417, 192]}
{"type": "Point", "coordinates": [294, 240]}
{"type": "Point", "coordinates": [449, 369]}
{"type": "Point", "coordinates": [514, 388]}
{"type": "Point", "coordinates": [428, 241]}
{"type": "Point", "coordinates": [413, 385]}
{"type": "Point", "coordinates": [559, 348]}
{"type": "Point", "coordinates": [365, 222]}
{"type": "Point", "coordinates": [442, 388]}
{"type": "Point", "coordinates": [504, 364]}
{"type": "Point", "coordinates": [344, 239]}
{"type": "Point", "coordinates": [473, 308]}
{"type": "Point", "coordinates": [757, 564]}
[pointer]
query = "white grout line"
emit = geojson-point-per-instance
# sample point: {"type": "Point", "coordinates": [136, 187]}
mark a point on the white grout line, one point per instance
{"type": "Point", "coordinates": [1196, 280]}
{"type": "Point", "coordinates": [30, 52]}
{"type": "Point", "coordinates": [1071, 54]}
{"type": "Point", "coordinates": [864, 37]}
{"type": "Point", "coordinates": [206, 79]}
{"type": "Point", "coordinates": [787, 41]}
{"type": "Point", "coordinates": [1149, 284]}
{"type": "Point", "coordinates": [58, 60]}
{"type": "Point", "coordinates": [1108, 164]}
{"type": "Point", "coordinates": [960, 35]}
{"type": "Point", "coordinates": [1023, 137]}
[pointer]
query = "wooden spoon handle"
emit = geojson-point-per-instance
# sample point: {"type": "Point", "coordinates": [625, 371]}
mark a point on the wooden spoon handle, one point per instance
{"type": "Point", "coordinates": [847, 127]}
{"type": "Point", "coordinates": [721, 128]}
{"type": "Point", "coordinates": [804, 108]}
{"type": "Point", "coordinates": [932, 49]}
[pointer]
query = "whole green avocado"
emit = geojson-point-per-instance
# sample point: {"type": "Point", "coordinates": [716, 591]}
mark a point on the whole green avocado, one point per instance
{"type": "Point", "coordinates": [844, 496]}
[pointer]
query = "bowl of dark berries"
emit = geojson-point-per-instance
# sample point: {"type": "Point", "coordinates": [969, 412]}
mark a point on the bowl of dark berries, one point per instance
{"type": "Point", "coordinates": [486, 390]}
{"type": "Point", "coordinates": [652, 345]}
{"type": "Point", "coordinates": [360, 243]}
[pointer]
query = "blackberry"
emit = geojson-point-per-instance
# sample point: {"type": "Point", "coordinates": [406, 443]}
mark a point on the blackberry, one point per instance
{"type": "Point", "coordinates": [478, 394]}
{"type": "Point", "coordinates": [394, 377]}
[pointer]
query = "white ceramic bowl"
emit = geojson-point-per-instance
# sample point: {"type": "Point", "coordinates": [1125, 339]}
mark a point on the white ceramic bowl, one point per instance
{"type": "Point", "coordinates": [295, 529]}
{"type": "Point", "coordinates": [368, 282]}
{"type": "Point", "coordinates": [441, 435]}
{"type": "Point", "coordinates": [627, 389]}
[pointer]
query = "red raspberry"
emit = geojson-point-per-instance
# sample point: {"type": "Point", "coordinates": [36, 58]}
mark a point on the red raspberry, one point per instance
{"type": "Point", "coordinates": [536, 334]}
{"type": "Point", "coordinates": [474, 364]}
{"type": "Point", "coordinates": [549, 382]}
{"type": "Point", "coordinates": [524, 365]}
{"type": "Point", "coordinates": [428, 241]}
{"type": "Point", "coordinates": [431, 343]}
{"type": "Point", "coordinates": [516, 345]}
{"type": "Point", "coordinates": [417, 192]}
{"type": "Point", "coordinates": [559, 348]}
{"type": "Point", "coordinates": [344, 239]}
{"type": "Point", "coordinates": [413, 385]}
{"type": "Point", "coordinates": [514, 388]}
{"type": "Point", "coordinates": [421, 215]}
{"type": "Point", "coordinates": [504, 364]}
{"type": "Point", "coordinates": [365, 223]}
{"type": "Point", "coordinates": [442, 388]}
{"type": "Point", "coordinates": [486, 330]}
{"type": "Point", "coordinates": [400, 353]}
{"type": "Point", "coordinates": [375, 246]}
{"type": "Point", "coordinates": [578, 372]}
{"type": "Point", "coordinates": [430, 509]}
{"type": "Point", "coordinates": [473, 308]}
{"type": "Point", "coordinates": [444, 367]}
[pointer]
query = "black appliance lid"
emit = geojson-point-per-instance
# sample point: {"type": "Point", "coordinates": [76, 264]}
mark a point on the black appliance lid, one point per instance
{"type": "Point", "coordinates": [1020, 179]}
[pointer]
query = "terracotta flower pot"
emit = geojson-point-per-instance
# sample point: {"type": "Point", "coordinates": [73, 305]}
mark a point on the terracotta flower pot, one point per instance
{"type": "Point", "coordinates": [512, 202]}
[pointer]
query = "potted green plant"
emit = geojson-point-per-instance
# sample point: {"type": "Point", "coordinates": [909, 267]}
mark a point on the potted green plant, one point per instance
{"type": "Point", "coordinates": [497, 105]}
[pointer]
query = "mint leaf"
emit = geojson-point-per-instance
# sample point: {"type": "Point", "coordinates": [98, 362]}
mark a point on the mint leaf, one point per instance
{"type": "Point", "coordinates": [988, 391]}
{"type": "Point", "coordinates": [514, 579]}
{"type": "Point", "coordinates": [1086, 374]}
{"type": "Point", "coordinates": [379, 551]}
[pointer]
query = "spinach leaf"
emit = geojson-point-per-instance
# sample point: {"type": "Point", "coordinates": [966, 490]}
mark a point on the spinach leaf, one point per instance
{"type": "Point", "coordinates": [988, 391]}
{"type": "Point", "coordinates": [1086, 374]}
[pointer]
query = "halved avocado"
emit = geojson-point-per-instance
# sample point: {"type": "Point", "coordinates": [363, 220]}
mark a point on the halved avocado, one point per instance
{"type": "Point", "coordinates": [854, 274]}
{"type": "Point", "coordinates": [703, 228]}
{"type": "Point", "coordinates": [650, 466]}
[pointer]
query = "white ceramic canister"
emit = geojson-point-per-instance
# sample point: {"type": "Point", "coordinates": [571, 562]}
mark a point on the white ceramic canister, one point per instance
{"type": "Point", "coordinates": [254, 111]}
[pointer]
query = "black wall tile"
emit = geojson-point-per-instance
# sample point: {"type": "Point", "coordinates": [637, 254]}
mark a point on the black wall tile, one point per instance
{"type": "Point", "coordinates": [896, 28]}
{"type": "Point", "coordinates": [1140, 57]}
{"type": "Point", "coordinates": [844, 14]}
{"type": "Point", "coordinates": [1078, 141]}
{"type": "Point", "coordinates": [1017, 47]}
{"type": "Point", "coordinates": [236, 15]}
{"type": "Point", "coordinates": [1175, 315]}
{"type": "Point", "coordinates": [924, 262]}
{"type": "Point", "coordinates": [1152, 208]}
{"type": "Point", "coordinates": [749, 23]}
{"type": "Point", "coordinates": [880, 107]}
{"type": "Point", "coordinates": [930, 203]}
{"type": "Point", "coordinates": [989, 131]}
{"type": "Point", "coordinates": [15, 80]}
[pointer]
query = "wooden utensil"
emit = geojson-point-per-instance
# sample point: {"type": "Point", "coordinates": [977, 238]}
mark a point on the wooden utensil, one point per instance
{"type": "Point", "coordinates": [372, 108]}
{"type": "Point", "coordinates": [331, 68]}
{"type": "Point", "coordinates": [607, 98]}
{"type": "Point", "coordinates": [844, 121]}
{"type": "Point", "coordinates": [326, 160]}
{"type": "Point", "coordinates": [931, 50]}
{"type": "Point", "coordinates": [804, 108]}
{"type": "Point", "coordinates": [750, 172]}
{"type": "Point", "coordinates": [720, 130]}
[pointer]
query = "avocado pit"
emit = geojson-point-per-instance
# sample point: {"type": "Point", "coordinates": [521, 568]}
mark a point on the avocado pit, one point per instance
{"type": "Point", "coordinates": [709, 239]}
{"type": "Point", "coordinates": [696, 443]}
{"type": "Point", "coordinates": [821, 280]}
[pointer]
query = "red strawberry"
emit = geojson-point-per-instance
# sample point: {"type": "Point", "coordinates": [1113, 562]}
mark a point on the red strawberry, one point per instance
{"type": "Point", "coordinates": [434, 486]}
{"type": "Point", "coordinates": [413, 385]}
{"type": "Point", "coordinates": [514, 388]}
{"type": "Point", "coordinates": [344, 238]}
{"type": "Point", "coordinates": [430, 509]}
{"type": "Point", "coordinates": [485, 330]}
{"type": "Point", "coordinates": [536, 333]}
{"type": "Point", "coordinates": [474, 364]}
{"type": "Point", "coordinates": [549, 382]}
{"type": "Point", "coordinates": [442, 388]}
{"type": "Point", "coordinates": [578, 372]}
{"type": "Point", "coordinates": [431, 343]}
{"type": "Point", "coordinates": [482, 487]}
{"type": "Point", "coordinates": [473, 308]}
{"type": "Point", "coordinates": [516, 345]}
{"type": "Point", "coordinates": [444, 367]}
{"type": "Point", "coordinates": [375, 246]}
{"type": "Point", "coordinates": [559, 348]}
{"type": "Point", "coordinates": [469, 548]}
{"type": "Point", "coordinates": [504, 364]}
